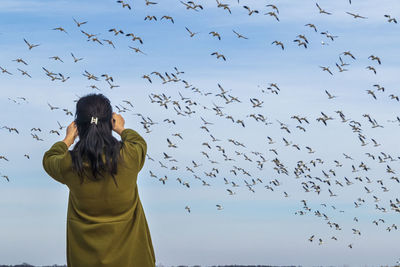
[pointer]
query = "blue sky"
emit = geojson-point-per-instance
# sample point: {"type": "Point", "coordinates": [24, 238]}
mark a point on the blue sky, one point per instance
{"type": "Point", "coordinates": [252, 228]}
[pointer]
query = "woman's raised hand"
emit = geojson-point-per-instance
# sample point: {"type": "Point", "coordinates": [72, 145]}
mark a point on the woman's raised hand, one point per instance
{"type": "Point", "coordinates": [72, 133]}
{"type": "Point", "coordinates": [118, 123]}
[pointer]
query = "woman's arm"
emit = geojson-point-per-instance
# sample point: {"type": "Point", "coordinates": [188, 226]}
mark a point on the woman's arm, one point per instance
{"type": "Point", "coordinates": [53, 160]}
{"type": "Point", "coordinates": [54, 157]}
{"type": "Point", "coordinates": [136, 146]}
{"type": "Point", "coordinates": [68, 141]}
{"type": "Point", "coordinates": [72, 133]}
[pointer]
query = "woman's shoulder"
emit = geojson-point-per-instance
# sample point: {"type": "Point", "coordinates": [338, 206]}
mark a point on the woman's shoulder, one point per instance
{"type": "Point", "coordinates": [128, 132]}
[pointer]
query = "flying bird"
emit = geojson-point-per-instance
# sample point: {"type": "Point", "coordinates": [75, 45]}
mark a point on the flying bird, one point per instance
{"type": "Point", "coordinates": [124, 4]}
{"type": "Point", "coordinates": [273, 7]}
{"type": "Point", "coordinates": [219, 55]}
{"type": "Point", "coordinates": [75, 58]}
{"type": "Point", "coordinates": [239, 35]}
{"type": "Point", "coordinates": [322, 11]}
{"type": "Point", "coordinates": [329, 95]}
{"type": "Point", "coordinates": [356, 15]}
{"type": "Point", "coordinates": [79, 23]}
{"type": "Point", "coordinates": [326, 69]}
{"type": "Point", "coordinates": [390, 19]}
{"type": "Point", "coordinates": [150, 3]}
{"type": "Point", "coordinates": [215, 34]}
{"type": "Point", "coordinates": [191, 33]}
{"type": "Point", "coordinates": [30, 46]}
{"type": "Point", "coordinates": [272, 14]}
{"type": "Point", "coordinates": [311, 26]}
{"type": "Point", "coordinates": [61, 29]}
{"type": "Point", "coordinates": [250, 10]}
{"type": "Point", "coordinates": [278, 43]}
{"type": "Point", "coordinates": [168, 17]}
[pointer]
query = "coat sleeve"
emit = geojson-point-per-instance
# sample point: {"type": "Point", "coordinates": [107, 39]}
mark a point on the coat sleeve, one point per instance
{"type": "Point", "coordinates": [53, 160]}
{"type": "Point", "coordinates": [135, 147]}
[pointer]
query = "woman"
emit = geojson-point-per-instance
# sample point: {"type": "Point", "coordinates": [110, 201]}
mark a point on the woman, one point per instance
{"type": "Point", "coordinates": [106, 224]}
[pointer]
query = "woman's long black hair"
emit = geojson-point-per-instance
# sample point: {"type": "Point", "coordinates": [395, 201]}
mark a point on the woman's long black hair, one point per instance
{"type": "Point", "coordinates": [95, 139]}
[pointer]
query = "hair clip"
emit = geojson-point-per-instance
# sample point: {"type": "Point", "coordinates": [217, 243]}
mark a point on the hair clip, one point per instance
{"type": "Point", "coordinates": [94, 119]}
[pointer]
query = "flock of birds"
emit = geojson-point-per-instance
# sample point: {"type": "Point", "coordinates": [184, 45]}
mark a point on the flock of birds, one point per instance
{"type": "Point", "coordinates": [316, 176]}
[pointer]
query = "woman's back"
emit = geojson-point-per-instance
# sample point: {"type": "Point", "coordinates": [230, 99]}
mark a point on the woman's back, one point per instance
{"type": "Point", "coordinates": [106, 225]}
{"type": "Point", "coordinates": [103, 199]}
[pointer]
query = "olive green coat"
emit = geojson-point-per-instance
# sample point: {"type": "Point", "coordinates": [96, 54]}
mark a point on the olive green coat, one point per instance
{"type": "Point", "coordinates": [106, 225]}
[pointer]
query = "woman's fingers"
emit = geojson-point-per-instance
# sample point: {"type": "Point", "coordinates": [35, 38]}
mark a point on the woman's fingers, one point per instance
{"type": "Point", "coordinates": [75, 129]}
